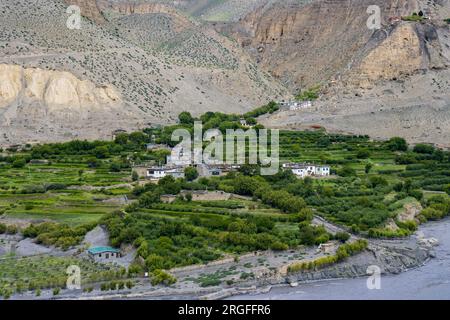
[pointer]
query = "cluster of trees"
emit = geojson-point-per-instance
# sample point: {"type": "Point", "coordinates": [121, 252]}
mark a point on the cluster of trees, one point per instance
{"type": "Point", "coordinates": [343, 252]}
{"type": "Point", "coordinates": [389, 234]}
{"type": "Point", "coordinates": [438, 208]}
{"type": "Point", "coordinates": [271, 107]}
{"type": "Point", "coordinates": [123, 142]}
{"type": "Point", "coordinates": [42, 188]}
{"type": "Point", "coordinates": [60, 235]}
{"type": "Point", "coordinates": [213, 120]}
{"type": "Point", "coordinates": [115, 285]}
{"type": "Point", "coordinates": [165, 243]}
{"type": "Point", "coordinates": [310, 94]}
{"type": "Point", "coordinates": [162, 277]}
{"type": "Point", "coordinates": [259, 188]}
{"type": "Point", "coordinates": [312, 235]}
{"type": "Point", "coordinates": [16, 161]}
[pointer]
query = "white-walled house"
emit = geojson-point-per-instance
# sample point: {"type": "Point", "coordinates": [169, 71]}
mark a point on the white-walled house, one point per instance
{"type": "Point", "coordinates": [303, 170]}
{"type": "Point", "coordinates": [323, 171]}
{"type": "Point", "coordinates": [156, 173]}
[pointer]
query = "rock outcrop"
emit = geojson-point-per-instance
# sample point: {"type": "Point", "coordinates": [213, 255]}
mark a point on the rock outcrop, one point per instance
{"type": "Point", "coordinates": [306, 42]}
{"type": "Point", "coordinates": [55, 90]}
{"type": "Point", "coordinates": [405, 49]}
{"type": "Point", "coordinates": [132, 7]}
{"type": "Point", "coordinates": [89, 9]}
{"type": "Point", "coordinates": [390, 259]}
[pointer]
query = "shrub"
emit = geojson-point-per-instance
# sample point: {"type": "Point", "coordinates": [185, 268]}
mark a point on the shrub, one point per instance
{"type": "Point", "coordinates": [447, 189]}
{"type": "Point", "coordinates": [416, 194]}
{"type": "Point", "coordinates": [11, 229]}
{"type": "Point", "coordinates": [432, 214]}
{"type": "Point", "coordinates": [346, 171]}
{"type": "Point", "coordinates": [160, 276]}
{"type": "Point", "coordinates": [363, 154]}
{"type": "Point", "coordinates": [423, 148]}
{"type": "Point", "coordinates": [397, 144]}
{"type": "Point", "coordinates": [185, 118]}
{"type": "Point", "coordinates": [190, 173]}
{"type": "Point", "coordinates": [342, 236]}
{"type": "Point", "coordinates": [310, 94]}
{"type": "Point", "coordinates": [19, 163]}
{"type": "Point", "coordinates": [344, 251]}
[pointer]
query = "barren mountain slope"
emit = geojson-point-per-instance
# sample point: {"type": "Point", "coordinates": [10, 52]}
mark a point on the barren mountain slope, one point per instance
{"type": "Point", "coordinates": [305, 42]}
{"type": "Point", "coordinates": [393, 81]}
{"type": "Point", "coordinates": [209, 10]}
{"type": "Point", "coordinates": [150, 87]}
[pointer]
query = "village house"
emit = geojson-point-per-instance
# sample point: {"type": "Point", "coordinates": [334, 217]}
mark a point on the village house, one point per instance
{"type": "Point", "coordinates": [303, 170]}
{"type": "Point", "coordinates": [296, 105]}
{"type": "Point", "coordinates": [156, 173]}
{"type": "Point", "coordinates": [104, 254]}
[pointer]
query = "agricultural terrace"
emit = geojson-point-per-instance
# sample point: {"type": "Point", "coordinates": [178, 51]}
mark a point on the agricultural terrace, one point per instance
{"type": "Point", "coordinates": [377, 189]}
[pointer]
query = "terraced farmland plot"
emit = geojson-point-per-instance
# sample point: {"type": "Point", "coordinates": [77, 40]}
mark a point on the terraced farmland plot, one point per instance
{"type": "Point", "coordinates": [44, 192]}
{"type": "Point", "coordinates": [71, 206]}
{"type": "Point", "coordinates": [41, 272]}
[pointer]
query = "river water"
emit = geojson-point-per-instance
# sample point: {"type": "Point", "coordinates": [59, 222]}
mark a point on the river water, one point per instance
{"type": "Point", "coordinates": [431, 281]}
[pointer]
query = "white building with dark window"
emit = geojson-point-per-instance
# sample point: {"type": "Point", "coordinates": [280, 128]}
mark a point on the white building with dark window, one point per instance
{"type": "Point", "coordinates": [303, 170]}
{"type": "Point", "coordinates": [156, 173]}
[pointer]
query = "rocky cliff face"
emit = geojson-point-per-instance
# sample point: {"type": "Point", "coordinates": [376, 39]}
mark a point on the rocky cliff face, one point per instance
{"type": "Point", "coordinates": [403, 50]}
{"type": "Point", "coordinates": [305, 42]}
{"type": "Point", "coordinates": [54, 90]}
{"type": "Point", "coordinates": [89, 9]}
{"type": "Point", "coordinates": [133, 7]}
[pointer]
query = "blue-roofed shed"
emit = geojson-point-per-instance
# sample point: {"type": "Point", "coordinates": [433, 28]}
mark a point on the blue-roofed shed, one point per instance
{"type": "Point", "coordinates": [104, 253]}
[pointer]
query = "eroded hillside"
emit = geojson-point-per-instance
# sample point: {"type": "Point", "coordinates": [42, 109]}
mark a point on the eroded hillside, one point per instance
{"type": "Point", "coordinates": [156, 77]}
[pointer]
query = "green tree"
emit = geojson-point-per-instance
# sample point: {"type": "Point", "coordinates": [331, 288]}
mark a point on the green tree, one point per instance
{"type": "Point", "coordinates": [154, 262]}
{"type": "Point", "coordinates": [115, 167]}
{"type": "Point", "coordinates": [245, 186]}
{"type": "Point", "coordinates": [121, 139]}
{"type": "Point", "coordinates": [190, 173]}
{"type": "Point", "coordinates": [397, 144]}
{"type": "Point", "coordinates": [101, 152]}
{"type": "Point", "coordinates": [347, 171]}
{"type": "Point", "coordinates": [149, 198]}
{"type": "Point", "coordinates": [363, 154]}
{"type": "Point", "coordinates": [169, 185]}
{"type": "Point", "coordinates": [93, 163]}
{"type": "Point", "coordinates": [447, 189]}
{"type": "Point", "coordinates": [424, 148]}
{"type": "Point", "coordinates": [19, 163]}
{"type": "Point", "coordinates": [186, 118]}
